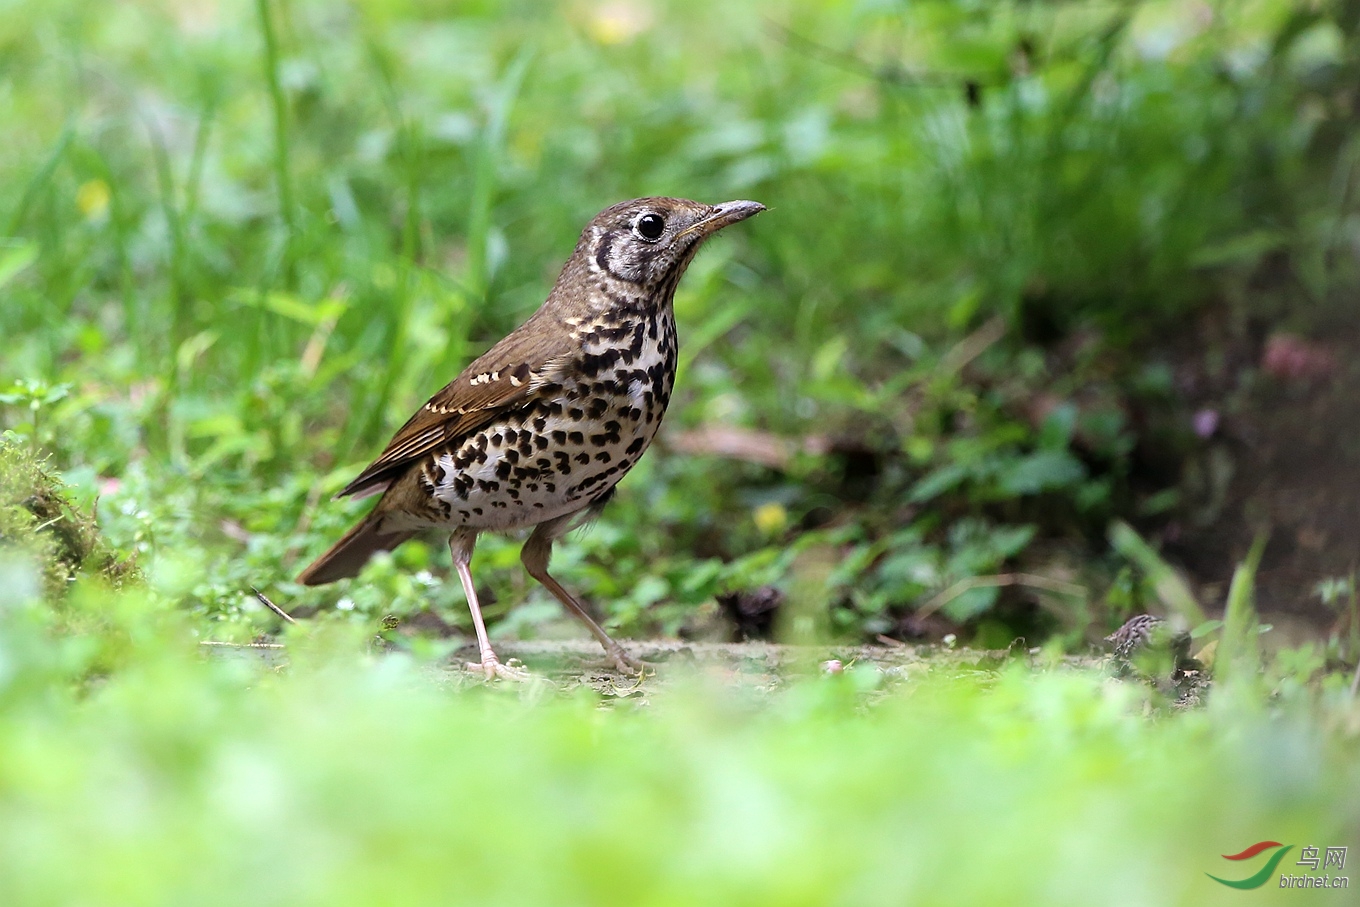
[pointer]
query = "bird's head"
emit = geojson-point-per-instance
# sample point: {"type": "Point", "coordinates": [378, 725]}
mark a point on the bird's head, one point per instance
{"type": "Point", "coordinates": [648, 242]}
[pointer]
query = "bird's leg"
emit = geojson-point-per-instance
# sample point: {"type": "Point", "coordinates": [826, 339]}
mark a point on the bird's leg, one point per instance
{"type": "Point", "coordinates": [535, 554]}
{"type": "Point", "coordinates": [461, 544]}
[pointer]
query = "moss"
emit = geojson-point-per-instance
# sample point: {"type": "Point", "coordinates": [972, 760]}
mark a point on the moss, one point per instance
{"type": "Point", "coordinates": [38, 517]}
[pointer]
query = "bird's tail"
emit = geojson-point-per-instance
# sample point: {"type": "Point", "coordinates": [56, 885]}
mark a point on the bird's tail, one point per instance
{"type": "Point", "coordinates": [348, 556]}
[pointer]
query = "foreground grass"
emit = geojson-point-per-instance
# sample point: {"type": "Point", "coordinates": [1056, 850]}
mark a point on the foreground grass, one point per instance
{"type": "Point", "coordinates": [133, 770]}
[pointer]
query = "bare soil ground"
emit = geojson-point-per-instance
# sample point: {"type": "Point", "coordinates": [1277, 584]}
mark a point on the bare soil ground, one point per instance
{"type": "Point", "coordinates": [760, 666]}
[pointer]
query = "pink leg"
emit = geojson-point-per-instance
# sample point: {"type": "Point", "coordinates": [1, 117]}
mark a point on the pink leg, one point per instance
{"type": "Point", "coordinates": [460, 546]}
{"type": "Point", "coordinates": [535, 556]}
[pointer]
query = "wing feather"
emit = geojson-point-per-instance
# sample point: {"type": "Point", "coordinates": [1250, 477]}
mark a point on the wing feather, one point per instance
{"type": "Point", "coordinates": [511, 374]}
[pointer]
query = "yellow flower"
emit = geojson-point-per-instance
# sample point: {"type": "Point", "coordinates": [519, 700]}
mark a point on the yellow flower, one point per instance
{"type": "Point", "coordinates": [92, 198]}
{"type": "Point", "coordinates": [771, 518]}
{"type": "Point", "coordinates": [619, 22]}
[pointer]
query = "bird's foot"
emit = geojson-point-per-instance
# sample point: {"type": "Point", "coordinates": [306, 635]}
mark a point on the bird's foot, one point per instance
{"type": "Point", "coordinates": [492, 668]}
{"type": "Point", "coordinates": [625, 663]}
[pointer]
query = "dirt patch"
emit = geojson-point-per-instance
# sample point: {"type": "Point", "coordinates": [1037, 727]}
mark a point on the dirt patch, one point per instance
{"type": "Point", "coordinates": [1279, 418]}
{"type": "Point", "coordinates": [760, 666]}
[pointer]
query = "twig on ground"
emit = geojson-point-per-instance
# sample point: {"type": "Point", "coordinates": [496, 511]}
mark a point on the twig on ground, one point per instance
{"type": "Point", "coordinates": [241, 645]}
{"type": "Point", "coordinates": [760, 447]}
{"type": "Point", "coordinates": [264, 600]}
{"type": "Point", "coordinates": [972, 346]}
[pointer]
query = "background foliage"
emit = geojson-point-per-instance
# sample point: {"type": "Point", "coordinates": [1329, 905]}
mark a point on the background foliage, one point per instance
{"type": "Point", "coordinates": [243, 240]}
{"type": "Point", "coordinates": [1047, 324]}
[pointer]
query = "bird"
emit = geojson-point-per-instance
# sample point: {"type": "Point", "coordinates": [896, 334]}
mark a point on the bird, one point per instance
{"type": "Point", "coordinates": [536, 432]}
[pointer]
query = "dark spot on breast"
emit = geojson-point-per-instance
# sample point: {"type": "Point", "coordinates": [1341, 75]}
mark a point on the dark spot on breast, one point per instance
{"type": "Point", "coordinates": [583, 458]}
{"type": "Point", "coordinates": [577, 438]}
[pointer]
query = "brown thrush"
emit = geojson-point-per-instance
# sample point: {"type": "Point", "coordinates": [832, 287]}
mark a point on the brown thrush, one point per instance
{"type": "Point", "coordinates": [539, 430]}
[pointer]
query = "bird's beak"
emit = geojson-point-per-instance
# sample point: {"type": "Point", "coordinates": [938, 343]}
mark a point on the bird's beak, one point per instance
{"type": "Point", "coordinates": [724, 214]}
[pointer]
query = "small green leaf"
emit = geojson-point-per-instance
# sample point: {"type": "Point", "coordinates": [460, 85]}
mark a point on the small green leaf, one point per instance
{"type": "Point", "coordinates": [1042, 471]}
{"type": "Point", "coordinates": [15, 259]}
{"type": "Point", "coordinates": [1205, 628]}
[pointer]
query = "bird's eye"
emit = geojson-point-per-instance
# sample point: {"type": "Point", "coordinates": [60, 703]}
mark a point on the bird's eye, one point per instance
{"type": "Point", "coordinates": [650, 227]}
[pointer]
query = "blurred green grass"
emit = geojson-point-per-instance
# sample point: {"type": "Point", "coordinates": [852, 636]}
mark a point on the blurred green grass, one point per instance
{"type": "Point", "coordinates": [134, 770]}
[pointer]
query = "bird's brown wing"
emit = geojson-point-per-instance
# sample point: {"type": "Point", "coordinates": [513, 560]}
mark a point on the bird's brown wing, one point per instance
{"type": "Point", "coordinates": [507, 376]}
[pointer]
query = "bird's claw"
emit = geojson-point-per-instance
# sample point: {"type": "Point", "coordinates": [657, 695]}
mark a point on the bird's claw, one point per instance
{"type": "Point", "coordinates": [627, 664]}
{"type": "Point", "coordinates": [492, 668]}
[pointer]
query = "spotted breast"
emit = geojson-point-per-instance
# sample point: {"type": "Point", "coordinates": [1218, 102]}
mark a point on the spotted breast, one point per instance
{"type": "Point", "coordinates": [567, 448]}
